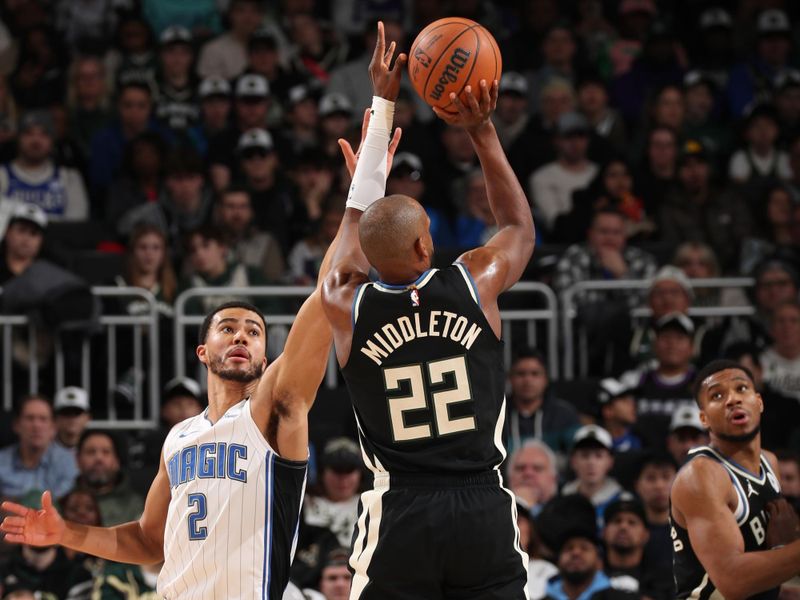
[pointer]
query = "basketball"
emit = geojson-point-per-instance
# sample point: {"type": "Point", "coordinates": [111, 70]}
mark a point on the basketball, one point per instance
{"type": "Point", "coordinates": [450, 54]}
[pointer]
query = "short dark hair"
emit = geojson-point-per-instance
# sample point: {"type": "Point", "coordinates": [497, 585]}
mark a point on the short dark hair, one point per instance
{"type": "Point", "coordinates": [525, 353]}
{"type": "Point", "coordinates": [784, 455]}
{"type": "Point", "coordinates": [235, 188]}
{"type": "Point", "coordinates": [739, 349]}
{"type": "Point", "coordinates": [134, 82]}
{"type": "Point", "coordinates": [201, 338]}
{"type": "Point", "coordinates": [607, 210]}
{"type": "Point", "coordinates": [715, 366]}
{"type": "Point", "coordinates": [119, 449]}
{"type": "Point", "coordinates": [19, 405]}
{"type": "Point", "coordinates": [183, 161]}
{"type": "Point", "coordinates": [657, 459]}
{"type": "Point", "coordinates": [207, 231]}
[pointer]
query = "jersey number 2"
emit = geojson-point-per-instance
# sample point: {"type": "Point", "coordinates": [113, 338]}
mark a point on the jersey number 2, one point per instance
{"type": "Point", "coordinates": [417, 398]}
{"type": "Point", "coordinates": [200, 513]}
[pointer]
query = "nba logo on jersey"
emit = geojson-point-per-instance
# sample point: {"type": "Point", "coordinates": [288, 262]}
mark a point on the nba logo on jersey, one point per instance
{"type": "Point", "coordinates": [414, 297]}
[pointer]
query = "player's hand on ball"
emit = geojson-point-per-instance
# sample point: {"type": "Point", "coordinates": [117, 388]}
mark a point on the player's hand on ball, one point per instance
{"type": "Point", "coordinates": [351, 158]}
{"type": "Point", "coordinates": [385, 81]}
{"type": "Point", "coordinates": [784, 525]}
{"type": "Point", "coordinates": [476, 111]}
{"type": "Point", "coordinates": [24, 525]}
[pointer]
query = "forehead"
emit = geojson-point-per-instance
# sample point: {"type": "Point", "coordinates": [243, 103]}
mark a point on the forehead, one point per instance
{"type": "Point", "coordinates": [35, 406]}
{"type": "Point", "coordinates": [528, 363]}
{"type": "Point", "coordinates": [98, 441]}
{"type": "Point", "coordinates": [237, 314]}
{"type": "Point", "coordinates": [725, 377]}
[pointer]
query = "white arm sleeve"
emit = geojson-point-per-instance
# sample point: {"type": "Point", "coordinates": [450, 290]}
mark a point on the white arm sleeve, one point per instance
{"type": "Point", "coordinates": [369, 179]}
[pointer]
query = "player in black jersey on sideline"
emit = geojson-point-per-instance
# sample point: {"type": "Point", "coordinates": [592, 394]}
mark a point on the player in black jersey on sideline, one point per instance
{"type": "Point", "coordinates": [733, 535]}
{"type": "Point", "coordinates": [420, 351]}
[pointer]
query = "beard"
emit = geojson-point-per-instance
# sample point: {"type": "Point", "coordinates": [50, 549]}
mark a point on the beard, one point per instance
{"type": "Point", "coordinates": [577, 577]}
{"type": "Point", "coordinates": [253, 373]}
{"type": "Point", "coordinates": [742, 437]}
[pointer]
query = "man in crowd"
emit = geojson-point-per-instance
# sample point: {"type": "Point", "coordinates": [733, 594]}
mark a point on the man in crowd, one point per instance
{"type": "Point", "coordinates": [652, 484]}
{"type": "Point", "coordinates": [686, 431]}
{"type": "Point", "coordinates": [226, 55]}
{"type": "Point", "coordinates": [72, 415]}
{"type": "Point", "coordinates": [618, 414]}
{"type": "Point", "coordinates": [781, 361]}
{"type": "Point", "coordinates": [533, 474]}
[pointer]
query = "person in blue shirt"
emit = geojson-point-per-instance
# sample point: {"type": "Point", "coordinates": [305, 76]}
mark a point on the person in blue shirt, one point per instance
{"type": "Point", "coordinates": [617, 405]}
{"type": "Point", "coordinates": [36, 462]}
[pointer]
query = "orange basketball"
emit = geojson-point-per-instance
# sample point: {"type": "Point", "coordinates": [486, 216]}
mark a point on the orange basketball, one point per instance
{"type": "Point", "coordinates": [450, 54]}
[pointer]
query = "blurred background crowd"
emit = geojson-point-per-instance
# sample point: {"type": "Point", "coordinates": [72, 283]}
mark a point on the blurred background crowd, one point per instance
{"type": "Point", "coordinates": [176, 144]}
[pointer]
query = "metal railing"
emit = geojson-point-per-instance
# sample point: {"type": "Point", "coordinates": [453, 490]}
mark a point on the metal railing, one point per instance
{"type": "Point", "coordinates": [570, 302]}
{"type": "Point", "coordinates": [146, 370]}
{"type": "Point", "coordinates": [549, 315]}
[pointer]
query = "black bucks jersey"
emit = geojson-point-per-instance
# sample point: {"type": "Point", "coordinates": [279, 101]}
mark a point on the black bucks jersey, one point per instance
{"type": "Point", "coordinates": [425, 376]}
{"type": "Point", "coordinates": [753, 493]}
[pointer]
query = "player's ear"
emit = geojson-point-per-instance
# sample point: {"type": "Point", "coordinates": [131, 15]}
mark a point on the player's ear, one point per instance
{"type": "Point", "coordinates": [201, 354]}
{"type": "Point", "coordinates": [760, 403]}
{"type": "Point", "coordinates": [420, 249]}
{"type": "Point", "coordinates": [703, 418]}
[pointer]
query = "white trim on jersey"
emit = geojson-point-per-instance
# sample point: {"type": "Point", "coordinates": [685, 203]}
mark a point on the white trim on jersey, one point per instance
{"type": "Point", "coordinates": [269, 465]}
{"type": "Point", "coordinates": [733, 466]}
{"type": "Point", "coordinates": [498, 434]}
{"type": "Point", "coordinates": [357, 301]}
{"type": "Point", "coordinates": [372, 505]}
{"type": "Point", "coordinates": [471, 286]}
{"type": "Point", "coordinates": [698, 591]}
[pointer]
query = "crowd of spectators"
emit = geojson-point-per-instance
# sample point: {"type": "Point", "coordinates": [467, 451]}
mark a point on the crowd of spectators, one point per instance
{"type": "Point", "coordinates": [170, 145]}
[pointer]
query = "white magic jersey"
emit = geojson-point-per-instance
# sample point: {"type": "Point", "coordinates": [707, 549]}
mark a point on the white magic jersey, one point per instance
{"type": "Point", "coordinates": [232, 522]}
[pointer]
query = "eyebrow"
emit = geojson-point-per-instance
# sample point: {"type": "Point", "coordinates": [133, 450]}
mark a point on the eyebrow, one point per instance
{"type": "Point", "coordinates": [736, 378]}
{"type": "Point", "coordinates": [235, 320]}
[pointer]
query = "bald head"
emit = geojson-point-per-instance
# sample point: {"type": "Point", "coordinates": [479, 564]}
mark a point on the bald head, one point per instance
{"type": "Point", "coordinates": [394, 231]}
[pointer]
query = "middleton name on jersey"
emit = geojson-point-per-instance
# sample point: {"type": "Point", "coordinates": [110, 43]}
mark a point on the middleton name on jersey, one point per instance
{"type": "Point", "coordinates": [440, 323]}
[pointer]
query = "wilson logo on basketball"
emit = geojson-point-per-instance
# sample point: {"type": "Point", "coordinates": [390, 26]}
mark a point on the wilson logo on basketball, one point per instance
{"type": "Point", "coordinates": [458, 61]}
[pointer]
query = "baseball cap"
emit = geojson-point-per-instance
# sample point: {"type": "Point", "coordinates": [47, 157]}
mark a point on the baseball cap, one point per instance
{"type": "Point", "coordinates": [181, 386]}
{"type": "Point", "coordinates": [697, 77]}
{"type": "Point", "coordinates": [24, 211]}
{"type": "Point", "coordinates": [252, 86]}
{"type": "Point", "coordinates": [592, 436]}
{"type": "Point", "coordinates": [773, 21]}
{"type": "Point", "coordinates": [675, 321]}
{"type": "Point", "coordinates": [298, 93]}
{"type": "Point", "coordinates": [692, 148]}
{"type": "Point", "coordinates": [625, 502]}
{"type": "Point", "coordinates": [407, 164]}
{"type": "Point", "coordinates": [341, 454]}
{"type": "Point", "coordinates": [37, 118]}
{"type": "Point", "coordinates": [214, 86]}
{"type": "Point", "coordinates": [571, 123]}
{"type": "Point", "coordinates": [262, 37]}
{"type": "Point", "coordinates": [610, 389]}
{"type": "Point", "coordinates": [631, 6]}
{"type": "Point", "coordinates": [686, 416]}
{"type": "Point", "coordinates": [71, 398]}
{"type": "Point", "coordinates": [335, 103]}
{"type": "Point", "coordinates": [175, 34]}
{"type": "Point", "coordinates": [672, 273]}
{"type": "Point", "coordinates": [715, 17]}
{"type": "Point", "coordinates": [256, 138]}
{"type": "Point", "coordinates": [338, 557]}
{"type": "Point", "coordinates": [786, 79]}
{"type": "Point", "coordinates": [513, 83]}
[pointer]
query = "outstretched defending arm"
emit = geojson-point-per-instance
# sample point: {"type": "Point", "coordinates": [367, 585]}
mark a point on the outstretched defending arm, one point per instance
{"type": "Point", "coordinates": [138, 542]}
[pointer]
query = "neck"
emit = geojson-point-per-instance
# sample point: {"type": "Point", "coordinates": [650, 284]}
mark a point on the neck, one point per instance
{"type": "Point", "coordinates": [215, 271]}
{"type": "Point", "coordinates": [528, 406]}
{"type": "Point", "coordinates": [630, 560]}
{"type": "Point", "coordinates": [402, 275]}
{"type": "Point", "coordinates": [656, 516]}
{"type": "Point", "coordinates": [222, 394]}
{"type": "Point", "coordinates": [761, 151]}
{"type": "Point", "coordinates": [616, 429]}
{"type": "Point", "coordinates": [144, 280]}
{"type": "Point", "coordinates": [575, 166]}
{"type": "Point", "coordinates": [18, 265]}
{"type": "Point", "coordinates": [595, 116]}
{"type": "Point", "coordinates": [178, 80]}
{"type": "Point", "coordinates": [573, 590]}
{"type": "Point", "coordinates": [671, 370]}
{"type": "Point", "coordinates": [663, 171]}
{"type": "Point", "coordinates": [130, 131]}
{"type": "Point", "coordinates": [563, 66]}
{"type": "Point", "coordinates": [31, 456]}
{"type": "Point", "coordinates": [263, 182]}
{"type": "Point", "coordinates": [103, 488]}
{"type": "Point", "coordinates": [788, 352]}
{"type": "Point", "coordinates": [27, 163]}
{"type": "Point", "coordinates": [747, 454]}
{"type": "Point", "coordinates": [89, 104]}
{"type": "Point", "coordinates": [590, 489]}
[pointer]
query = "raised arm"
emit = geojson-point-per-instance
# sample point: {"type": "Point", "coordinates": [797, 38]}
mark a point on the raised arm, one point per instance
{"type": "Point", "coordinates": [501, 261]}
{"type": "Point", "coordinates": [138, 542]}
{"type": "Point", "coordinates": [700, 500]}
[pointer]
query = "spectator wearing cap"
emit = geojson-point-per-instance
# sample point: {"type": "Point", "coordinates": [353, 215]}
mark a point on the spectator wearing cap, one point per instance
{"type": "Point", "coordinates": [335, 503]}
{"type": "Point", "coordinates": [250, 108]}
{"type": "Point", "coordinates": [787, 105]}
{"type": "Point", "coordinates": [264, 57]}
{"type": "Point", "coordinates": [335, 117]}
{"type": "Point", "coordinates": [634, 18]}
{"type": "Point", "coordinates": [760, 160]}
{"type": "Point", "coordinates": [780, 421]}
{"type": "Point", "coordinates": [511, 117]}
{"type": "Point", "coordinates": [715, 53]}
{"type": "Point", "coordinates": [618, 414]}
{"type": "Point", "coordinates": [701, 120]}
{"type": "Point", "coordinates": [306, 257]}
{"type": "Point", "coordinates": [580, 569]}
{"type": "Point", "coordinates": [133, 56]}
{"type": "Point", "coordinates": [334, 582]}
{"type": "Point", "coordinates": [35, 178]}
{"type": "Point", "coordinates": [776, 282]}
{"type": "Point", "coordinates": [72, 415]}
{"type": "Point", "coordinates": [278, 211]}
{"type": "Point", "coordinates": [101, 461]}
{"type": "Point", "coordinates": [686, 431]}
{"type": "Point", "coordinates": [88, 100]}
{"type": "Point", "coordinates": [177, 103]}
{"type": "Point", "coordinates": [781, 360]}
{"type": "Point", "coordinates": [559, 54]}
{"type": "Point", "coordinates": [226, 55]}
{"type": "Point", "coordinates": [625, 537]}
{"type": "Point", "coordinates": [315, 49]}
{"type": "Point", "coordinates": [301, 129]}
{"type": "Point", "coordinates": [551, 186]}
{"type": "Point", "coordinates": [751, 80]}
{"type": "Point", "coordinates": [24, 227]}
{"type": "Point", "coordinates": [533, 410]}
{"type": "Point", "coordinates": [592, 459]}
{"type": "Point", "coordinates": [107, 148]}
{"type": "Point", "coordinates": [248, 244]}
{"type": "Point", "coordinates": [605, 255]}
{"type": "Point", "coordinates": [663, 385]}
{"type": "Point", "coordinates": [215, 106]}
{"type": "Point", "coordinates": [533, 474]}
{"type": "Point", "coordinates": [652, 483]}
{"type": "Point", "coordinates": [185, 202]}
{"type": "Point", "coordinates": [606, 122]}
{"type": "Point", "coordinates": [700, 211]}
{"type": "Point", "coordinates": [35, 463]}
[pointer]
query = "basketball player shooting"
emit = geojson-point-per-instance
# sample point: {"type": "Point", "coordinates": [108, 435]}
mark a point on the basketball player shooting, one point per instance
{"type": "Point", "coordinates": [222, 512]}
{"type": "Point", "coordinates": [733, 536]}
{"type": "Point", "coordinates": [420, 351]}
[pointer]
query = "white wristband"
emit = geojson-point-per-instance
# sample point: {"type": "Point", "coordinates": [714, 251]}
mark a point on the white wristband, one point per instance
{"type": "Point", "coordinates": [369, 179]}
